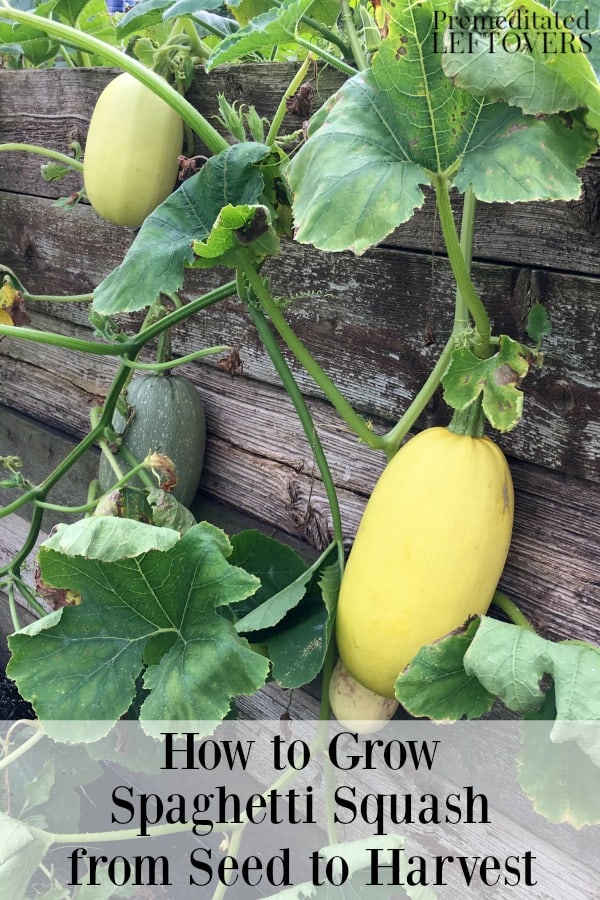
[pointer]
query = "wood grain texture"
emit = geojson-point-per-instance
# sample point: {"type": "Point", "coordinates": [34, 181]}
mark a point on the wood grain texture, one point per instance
{"type": "Point", "coordinates": [387, 314]}
{"type": "Point", "coordinates": [53, 108]}
{"type": "Point", "coordinates": [551, 571]}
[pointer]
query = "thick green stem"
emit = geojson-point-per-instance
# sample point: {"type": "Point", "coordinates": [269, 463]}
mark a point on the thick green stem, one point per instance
{"type": "Point", "coordinates": [510, 608]}
{"type": "Point", "coordinates": [348, 24]}
{"type": "Point", "coordinates": [281, 110]}
{"type": "Point", "coordinates": [328, 34]}
{"type": "Point", "coordinates": [396, 435]}
{"type": "Point", "coordinates": [181, 313]}
{"type": "Point", "coordinates": [67, 510]}
{"type": "Point", "coordinates": [55, 298]}
{"type": "Point", "coordinates": [467, 231]}
{"type": "Point", "coordinates": [348, 414]}
{"type": "Point", "coordinates": [42, 151]}
{"type": "Point", "coordinates": [136, 466]}
{"type": "Point", "coordinates": [297, 398]}
{"type": "Point", "coordinates": [14, 566]}
{"type": "Point", "coordinates": [458, 264]}
{"type": "Point", "coordinates": [28, 595]}
{"type": "Point", "coordinates": [64, 341]}
{"type": "Point", "coordinates": [325, 55]}
{"type": "Point", "coordinates": [110, 458]}
{"type": "Point", "coordinates": [180, 361]}
{"type": "Point", "coordinates": [469, 422]}
{"type": "Point", "coordinates": [198, 46]}
{"type": "Point", "coordinates": [12, 606]}
{"type": "Point", "coordinates": [113, 56]}
{"type": "Point", "coordinates": [35, 738]}
{"type": "Point", "coordinates": [66, 57]}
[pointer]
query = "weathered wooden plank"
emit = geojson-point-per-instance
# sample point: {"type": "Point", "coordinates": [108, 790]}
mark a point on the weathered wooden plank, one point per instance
{"type": "Point", "coordinates": [552, 566]}
{"type": "Point", "coordinates": [53, 108]}
{"type": "Point", "coordinates": [387, 314]}
{"type": "Point", "coordinates": [41, 450]}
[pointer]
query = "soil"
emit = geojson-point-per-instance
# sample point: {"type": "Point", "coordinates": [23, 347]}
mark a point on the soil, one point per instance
{"type": "Point", "coordinates": [12, 705]}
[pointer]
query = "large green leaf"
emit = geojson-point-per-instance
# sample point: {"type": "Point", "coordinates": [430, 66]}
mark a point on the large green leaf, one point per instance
{"type": "Point", "coordinates": [514, 158]}
{"type": "Point", "coordinates": [353, 181]}
{"type": "Point", "coordinates": [150, 12]}
{"type": "Point", "coordinates": [298, 650]}
{"type": "Point", "coordinates": [21, 851]}
{"type": "Point", "coordinates": [163, 247]}
{"type": "Point", "coordinates": [511, 662]}
{"type": "Point", "coordinates": [283, 578]}
{"type": "Point", "coordinates": [587, 28]}
{"type": "Point", "coordinates": [294, 609]}
{"type": "Point", "coordinates": [155, 611]}
{"type": "Point", "coordinates": [561, 780]}
{"type": "Point", "coordinates": [32, 42]}
{"type": "Point", "coordinates": [263, 32]}
{"type": "Point", "coordinates": [388, 129]}
{"type": "Point", "coordinates": [542, 69]}
{"type": "Point", "coordinates": [436, 685]}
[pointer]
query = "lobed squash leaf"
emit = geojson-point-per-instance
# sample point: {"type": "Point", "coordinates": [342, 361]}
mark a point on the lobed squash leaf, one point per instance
{"type": "Point", "coordinates": [262, 33]}
{"type": "Point", "coordinates": [147, 13]}
{"type": "Point", "coordinates": [497, 379]}
{"type": "Point", "coordinates": [277, 567]}
{"type": "Point", "coordinates": [293, 612]}
{"type": "Point", "coordinates": [435, 684]}
{"type": "Point", "coordinates": [388, 129]}
{"type": "Point", "coordinates": [511, 662]}
{"type": "Point", "coordinates": [22, 849]}
{"type": "Point", "coordinates": [543, 71]}
{"type": "Point", "coordinates": [158, 611]}
{"type": "Point", "coordinates": [156, 260]}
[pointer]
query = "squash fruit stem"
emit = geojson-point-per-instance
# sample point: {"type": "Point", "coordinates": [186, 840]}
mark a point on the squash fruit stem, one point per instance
{"type": "Point", "coordinates": [468, 422]}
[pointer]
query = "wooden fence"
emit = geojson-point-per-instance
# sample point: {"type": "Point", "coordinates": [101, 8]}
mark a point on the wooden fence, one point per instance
{"type": "Point", "coordinates": [376, 324]}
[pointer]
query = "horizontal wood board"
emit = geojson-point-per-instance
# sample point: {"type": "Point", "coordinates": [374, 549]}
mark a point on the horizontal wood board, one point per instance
{"type": "Point", "coordinates": [53, 107]}
{"type": "Point", "coordinates": [376, 323]}
{"type": "Point", "coordinates": [551, 572]}
{"type": "Point", "coordinates": [387, 314]}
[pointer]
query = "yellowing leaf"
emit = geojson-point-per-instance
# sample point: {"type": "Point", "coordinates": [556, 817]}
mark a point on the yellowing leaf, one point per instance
{"type": "Point", "coordinates": [8, 297]}
{"type": "Point", "coordinates": [5, 317]}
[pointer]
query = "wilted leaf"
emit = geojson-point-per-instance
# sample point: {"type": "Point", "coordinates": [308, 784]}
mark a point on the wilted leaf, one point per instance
{"type": "Point", "coordinates": [496, 378]}
{"type": "Point", "coordinates": [562, 782]}
{"type": "Point", "coordinates": [162, 249]}
{"type": "Point", "coordinates": [168, 512]}
{"type": "Point", "coordinates": [511, 662]}
{"type": "Point", "coordinates": [436, 685]}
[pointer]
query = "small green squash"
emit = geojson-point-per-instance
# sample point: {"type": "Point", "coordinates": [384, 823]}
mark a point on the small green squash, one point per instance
{"type": "Point", "coordinates": [166, 416]}
{"type": "Point", "coordinates": [131, 154]}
